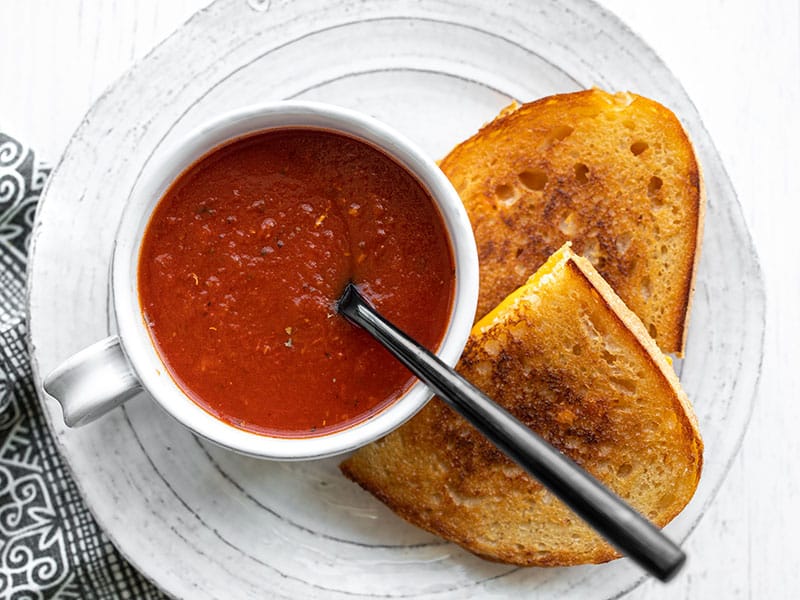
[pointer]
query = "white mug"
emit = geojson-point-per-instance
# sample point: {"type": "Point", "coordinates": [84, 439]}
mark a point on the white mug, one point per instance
{"type": "Point", "coordinates": [104, 375]}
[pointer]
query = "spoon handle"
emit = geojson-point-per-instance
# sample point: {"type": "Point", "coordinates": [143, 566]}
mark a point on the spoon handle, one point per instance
{"type": "Point", "coordinates": [621, 525]}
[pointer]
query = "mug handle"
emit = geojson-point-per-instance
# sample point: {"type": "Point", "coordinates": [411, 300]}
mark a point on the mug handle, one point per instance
{"type": "Point", "coordinates": [92, 382]}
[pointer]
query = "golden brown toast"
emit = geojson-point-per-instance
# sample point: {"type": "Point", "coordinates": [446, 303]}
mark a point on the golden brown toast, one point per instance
{"type": "Point", "coordinates": [568, 358]}
{"type": "Point", "coordinates": [616, 174]}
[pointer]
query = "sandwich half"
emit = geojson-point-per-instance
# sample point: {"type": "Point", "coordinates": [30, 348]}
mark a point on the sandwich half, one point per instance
{"type": "Point", "coordinates": [615, 174]}
{"type": "Point", "coordinates": [566, 356]}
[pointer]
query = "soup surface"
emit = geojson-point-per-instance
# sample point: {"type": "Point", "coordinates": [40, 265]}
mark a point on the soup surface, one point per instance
{"type": "Point", "coordinates": [242, 262]}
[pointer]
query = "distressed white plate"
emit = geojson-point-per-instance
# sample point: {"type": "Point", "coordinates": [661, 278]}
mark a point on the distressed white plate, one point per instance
{"type": "Point", "coordinates": [205, 523]}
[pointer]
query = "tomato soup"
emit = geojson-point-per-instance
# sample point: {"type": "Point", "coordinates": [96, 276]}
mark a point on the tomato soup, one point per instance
{"type": "Point", "coordinates": [245, 256]}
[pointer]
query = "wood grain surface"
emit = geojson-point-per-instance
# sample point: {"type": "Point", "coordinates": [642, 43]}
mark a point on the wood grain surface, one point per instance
{"type": "Point", "coordinates": [739, 62]}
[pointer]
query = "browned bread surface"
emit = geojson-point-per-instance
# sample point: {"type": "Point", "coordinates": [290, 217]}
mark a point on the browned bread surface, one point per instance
{"type": "Point", "coordinates": [616, 174]}
{"type": "Point", "coordinates": [565, 356]}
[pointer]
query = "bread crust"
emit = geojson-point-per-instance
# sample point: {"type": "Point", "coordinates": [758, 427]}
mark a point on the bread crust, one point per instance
{"type": "Point", "coordinates": [698, 246]}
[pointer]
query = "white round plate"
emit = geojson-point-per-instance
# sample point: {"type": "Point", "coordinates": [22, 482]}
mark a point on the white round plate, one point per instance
{"type": "Point", "coordinates": [202, 522]}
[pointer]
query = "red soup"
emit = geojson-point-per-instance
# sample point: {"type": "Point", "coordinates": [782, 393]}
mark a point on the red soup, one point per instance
{"type": "Point", "coordinates": [242, 262]}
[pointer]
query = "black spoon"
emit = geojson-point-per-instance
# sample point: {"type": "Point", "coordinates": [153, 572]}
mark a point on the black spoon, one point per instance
{"type": "Point", "coordinates": [603, 510]}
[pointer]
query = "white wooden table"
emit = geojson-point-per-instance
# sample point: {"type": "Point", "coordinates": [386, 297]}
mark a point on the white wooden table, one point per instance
{"type": "Point", "coordinates": [740, 63]}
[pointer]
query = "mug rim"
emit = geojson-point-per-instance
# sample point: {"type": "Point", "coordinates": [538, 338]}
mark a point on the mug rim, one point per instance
{"type": "Point", "coordinates": [138, 345]}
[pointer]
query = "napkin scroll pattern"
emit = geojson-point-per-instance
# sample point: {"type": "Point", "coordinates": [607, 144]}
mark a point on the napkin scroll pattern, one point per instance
{"type": "Point", "coordinates": [50, 545]}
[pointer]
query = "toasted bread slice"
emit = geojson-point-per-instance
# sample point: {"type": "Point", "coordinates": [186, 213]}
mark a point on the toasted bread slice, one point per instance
{"type": "Point", "coordinates": [565, 356]}
{"type": "Point", "coordinates": [616, 174]}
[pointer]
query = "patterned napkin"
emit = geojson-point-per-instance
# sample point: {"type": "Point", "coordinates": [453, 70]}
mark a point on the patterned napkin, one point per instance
{"type": "Point", "coordinates": [50, 545]}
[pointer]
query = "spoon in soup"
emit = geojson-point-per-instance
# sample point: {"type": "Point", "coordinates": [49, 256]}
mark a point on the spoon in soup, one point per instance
{"type": "Point", "coordinates": [603, 510]}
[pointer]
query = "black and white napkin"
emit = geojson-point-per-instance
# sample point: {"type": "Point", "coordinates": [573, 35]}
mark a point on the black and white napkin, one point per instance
{"type": "Point", "coordinates": [50, 545]}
